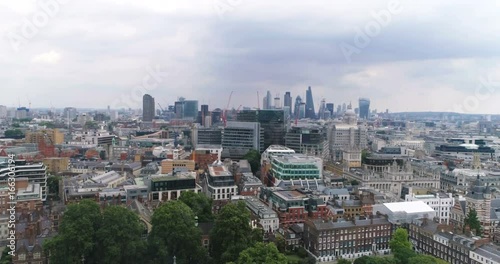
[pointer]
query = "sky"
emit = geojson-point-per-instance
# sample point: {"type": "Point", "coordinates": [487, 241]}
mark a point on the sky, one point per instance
{"type": "Point", "coordinates": [402, 55]}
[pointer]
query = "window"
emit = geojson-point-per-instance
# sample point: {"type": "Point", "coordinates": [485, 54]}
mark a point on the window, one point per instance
{"type": "Point", "coordinates": [22, 257]}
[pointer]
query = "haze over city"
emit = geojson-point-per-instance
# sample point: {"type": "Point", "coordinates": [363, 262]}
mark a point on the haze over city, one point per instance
{"type": "Point", "coordinates": [425, 56]}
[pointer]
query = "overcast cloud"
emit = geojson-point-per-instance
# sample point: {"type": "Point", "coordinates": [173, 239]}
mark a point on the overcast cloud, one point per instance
{"type": "Point", "coordinates": [431, 56]}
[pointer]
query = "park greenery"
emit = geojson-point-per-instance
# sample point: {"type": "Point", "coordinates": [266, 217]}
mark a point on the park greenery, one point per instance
{"type": "Point", "coordinates": [253, 157]}
{"type": "Point", "coordinates": [113, 234]}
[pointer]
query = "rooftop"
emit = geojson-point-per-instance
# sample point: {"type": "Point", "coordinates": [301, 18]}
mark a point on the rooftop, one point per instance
{"type": "Point", "coordinates": [218, 171]}
{"type": "Point", "coordinates": [409, 207]}
{"type": "Point", "coordinates": [297, 159]}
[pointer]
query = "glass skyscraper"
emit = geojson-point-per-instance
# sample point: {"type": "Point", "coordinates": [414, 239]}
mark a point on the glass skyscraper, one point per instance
{"type": "Point", "coordinates": [310, 113]}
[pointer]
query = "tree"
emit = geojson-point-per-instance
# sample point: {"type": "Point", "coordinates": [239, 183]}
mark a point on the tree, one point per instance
{"type": "Point", "coordinates": [375, 260]}
{"type": "Point", "coordinates": [91, 125]}
{"type": "Point", "coordinates": [425, 259]}
{"type": "Point", "coordinates": [200, 204]}
{"type": "Point", "coordinates": [53, 186]}
{"type": "Point", "coordinates": [77, 234]}
{"type": "Point", "coordinates": [354, 182]}
{"type": "Point", "coordinates": [261, 253]}
{"type": "Point", "coordinates": [231, 233]}
{"type": "Point", "coordinates": [364, 155]}
{"type": "Point", "coordinates": [472, 221]}
{"type": "Point", "coordinates": [280, 244]}
{"type": "Point", "coordinates": [6, 257]}
{"type": "Point", "coordinates": [253, 157]}
{"type": "Point", "coordinates": [401, 246]}
{"type": "Point", "coordinates": [175, 233]}
{"type": "Point", "coordinates": [344, 261]}
{"type": "Point", "coordinates": [119, 238]}
{"type": "Point", "coordinates": [14, 133]}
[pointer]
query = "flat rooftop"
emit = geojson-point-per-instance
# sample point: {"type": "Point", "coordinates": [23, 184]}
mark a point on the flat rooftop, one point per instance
{"type": "Point", "coordinates": [297, 158]}
{"type": "Point", "coordinates": [290, 195]}
{"type": "Point", "coordinates": [219, 171]}
{"type": "Point", "coordinates": [409, 207]}
{"type": "Point", "coordinates": [170, 177]}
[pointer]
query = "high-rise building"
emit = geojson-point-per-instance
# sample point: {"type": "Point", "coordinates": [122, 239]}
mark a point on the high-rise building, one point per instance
{"type": "Point", "coordinates": [296, 111]}
{"type": "Point", "coordinates": [186, 109]}
{"type": "Point", "coordinates": [277, 103]}
{"type": "Point", "coordinates": [204, 114]}
{"type": "Point", "coordinates": [330, 107]}
{"type": "Point", "coordinates": [310, 113]}
{"type": "Point", "coordinates": [148, 108]}
{"type": "Point", "coordinates": [240, 137]}
{"type": "Point", "coordinates": [322, 109]}
{"type": "Point", "coordinates": [272, 121]}
{"type": "Point", "coordinates": [339, 109]}
{"type": "Point", "coordinates": [69, 113]}
{"type": "Point", "coordinates": [344, 108]}
{"type": "Point", "coordinates": [269, 101]}
{"type": "Point", "coordinates": [364, 108]}
{"type": "Point", "coordinates": [287, 102]}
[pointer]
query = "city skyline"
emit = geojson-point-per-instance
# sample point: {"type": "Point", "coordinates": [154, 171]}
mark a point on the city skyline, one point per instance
{"type": "Point", "coordinates": [91, 60]}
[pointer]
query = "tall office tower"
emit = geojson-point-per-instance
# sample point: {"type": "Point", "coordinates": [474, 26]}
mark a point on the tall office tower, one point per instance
{"type": "Point", "coordinates": [310, 113]}
{"type": "Point", "coordinates": [302, 110]}
{"type": "Point", "coordinates": [322, 109]}
{"type": "Point", "coordinates": [204, 113]}
{"type": "Point", "coordinates": [264, 103]}
{"type": "Point", "coordinates": [344, 108]}
{"type": "Point", "coordinates": [216, 115]}
{"type": "Point", "coordinates": [269, 99]}
{"type": "Point", "coordinates": [240, 137]}
{"type": "Point", "coordinates": [287, 101]}
{"type": "Point", "coordinates": [190, 109]}
{"type": "Point", "coordinates": [272, 121]}
{"type": "Point", "coordinates": [296, 109]}
{"type": "Point", "coordinates": [277, 103]}
{"type": "Point", "coordinates": [148, 108]}
{"type": "Point", "coordinates": [179, 109]}
{"type": "Point", "coordinates": [69, 113]}
{"type": "Point", "coordinates": [330, 107]}
{"type": "Point", "coordinates": [339, 109]}
{"type": "Point", "coordinates": [364, 108]}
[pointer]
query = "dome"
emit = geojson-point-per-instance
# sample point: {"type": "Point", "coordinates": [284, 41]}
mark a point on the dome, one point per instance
{"type": "Point", "coordinates": [350, 112]}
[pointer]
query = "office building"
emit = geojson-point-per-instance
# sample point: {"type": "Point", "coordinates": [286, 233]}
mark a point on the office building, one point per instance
{"type": "Point", "coordinates": [296, 166]}
{"type": "Point", "coordinates": [148, 108]}
{"type": "Point", "coordinates": [271, 121]}
{"type": "Point", "coordinates": [308, 139]}
{"type": "Point", "coordinates": [3, 111]}
{"type": "Point", "coordinates": [287, 102]}
{"type": "Point", "coordinates": [69, 113]}
{"type": "Point", "coordinates": [35, 173]}
{"type": "Point", "coordinates": [269, 100]}
{"type": "Point", "coordinates": [169, 165]}
{"type": "Point", "coordinates": [220, 183]}
{"type": "Point", "coordinates": [186, 109]}
{"type": "Point", "coordinates": [310, 113]}
{"type": "Point", "coordinates": [296, 111]}
{"type": "Point", "coordinates": [364, 108]}
{"type": "Point", "coordinates": [330, 107]}
{"type": "Point", "coordinates": [442, 203]}
{"type": "Point", "coordinates": [166, 187]}
{"type": "Point", "coordinates": [204, 115]}
{"type": "Point", "coordinates": [240, 137]}
{"type": "Point", "coordinates": [51, 136]}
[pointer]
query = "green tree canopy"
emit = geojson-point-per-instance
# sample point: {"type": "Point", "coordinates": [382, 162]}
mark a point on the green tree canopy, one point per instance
{"type": "Point", "coordinates": [200, 204]}
{"type": "Point", "coordinates": [14, 133]}
{"type": "Point", "coordinates": [472, 221]}
{"type": "Point", "coordinates": [175, 233]}
{"type": "Point", "coordinates": [375, 260]}
{"type": "Point", "coordinates": [77, 234]}
{"type": "Point", "coordinates": [253, 157]}
{"type": "Point", "coordinates": [262, 253]}
{"type": "Point", "coordinates": [344, 261]}
{"type": "Point", "coordinates": [119, 238]}
{"type": "Point", "coordinates": [53, 186]}
{"type": "Point", "coordinates": [425, 259]}
{"type": "Point", "coordinates": [400, 246]}
{"type": "Point", "coordinates": [231, 233]}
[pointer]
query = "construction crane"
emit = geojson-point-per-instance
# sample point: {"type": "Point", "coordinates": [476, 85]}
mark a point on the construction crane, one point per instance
{"type": "Point", "coordinates": [224, 113]}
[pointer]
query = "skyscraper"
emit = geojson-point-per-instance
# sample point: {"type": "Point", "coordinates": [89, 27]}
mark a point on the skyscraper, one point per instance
{"type": "Point", "coordinates": [186, 109]}
{"type": "Point", "coordinates": [330, 107]}
{"type": "Point", "coordinates": [322, 109]}
{"type": "Point", "coordinates": [310, 113]}
{"type": "Point", "coordinates": [287, 101]}
{"type": "Point", "coordinates": [148, 108]}
{"type": "Point", "coordinates": [269, 100]}
{"type": "Point", "coordinates": [364, 108]}
{"type": "Point", "coordinates": [204, 113]}
{"type": "Point", "coordinates": [296, 108]}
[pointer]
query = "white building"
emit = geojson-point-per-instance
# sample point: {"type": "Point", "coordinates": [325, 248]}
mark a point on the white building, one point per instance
{"type": "Point", "coordinates": [347, 135]}
{"type": "Point", "coordinates": [485, 254]}
{"type": "Point", "coordinates": [440, 202]}
{"type": "Point", "coordinates": [405, 212]}
{"type": "Point", "coordinates": [275, 150]}
{"type": "Point", "coordinates": [411, 144]}
{"type": "Point", "coordinates": [267, 218]}
{"type": "Point", "coordinates": [220, 183]}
